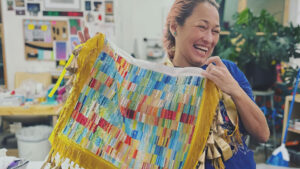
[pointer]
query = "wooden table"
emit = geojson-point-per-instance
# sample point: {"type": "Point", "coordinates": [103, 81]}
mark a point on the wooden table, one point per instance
{"type": "Point", "coordinates": [32, 110]}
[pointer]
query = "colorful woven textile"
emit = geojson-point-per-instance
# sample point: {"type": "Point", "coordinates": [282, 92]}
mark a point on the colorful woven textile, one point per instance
{"type": "Point", "coordinates": [127, 113]}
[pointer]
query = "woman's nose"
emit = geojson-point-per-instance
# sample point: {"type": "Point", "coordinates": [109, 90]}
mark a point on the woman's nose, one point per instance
{"type": "Point", "coordinates": [208, 37]}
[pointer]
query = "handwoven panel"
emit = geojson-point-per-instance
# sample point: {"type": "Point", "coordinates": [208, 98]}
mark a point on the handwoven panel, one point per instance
{"type": "Point", "coordinates": [135, 115]}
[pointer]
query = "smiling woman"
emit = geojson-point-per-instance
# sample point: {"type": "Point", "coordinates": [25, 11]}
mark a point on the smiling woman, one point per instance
{"type": "Point", "coordinates": [197, 37]}
{"type": "Point", "coordinates": [192, 32]}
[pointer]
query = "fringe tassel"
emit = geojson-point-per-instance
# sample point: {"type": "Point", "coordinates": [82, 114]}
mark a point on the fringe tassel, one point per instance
{"type": "Point", "coordinates": [80, 156]}
{"type": "Point", "coordinates": [218, 163]}
{"type": "Point", "coordinates": [48, 159]}
{"type": "Point", "coordinates": [226, 136]}
{"type": "Point", "coordinates": [236, 133]}
{"type": "Point", "coordinates": [58, 166]}
{"type": "Point", "coordinates": [235, 138]}
{"type": "Point", "coordinates": [210, 100]}
{"type": "Point", "coordinates": [53, 164]}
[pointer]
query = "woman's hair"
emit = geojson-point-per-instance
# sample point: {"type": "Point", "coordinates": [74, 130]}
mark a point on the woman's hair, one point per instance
{"type": "Point", "coordinates": [180, 10]}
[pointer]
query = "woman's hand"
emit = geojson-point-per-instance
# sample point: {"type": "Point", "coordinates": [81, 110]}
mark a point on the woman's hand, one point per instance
{"type": "Point", "coordinates": [219, 74]}
{"type": "Point", "coordinates": [252, 117]}
{"type": "Point", "coordinates": [83, 36]}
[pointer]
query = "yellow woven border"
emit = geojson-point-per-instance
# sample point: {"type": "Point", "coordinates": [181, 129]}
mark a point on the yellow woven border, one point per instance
{"type": "Point", "coordinates": [87, 57]}
{"type": "Point", "coordinates": [210, 100]}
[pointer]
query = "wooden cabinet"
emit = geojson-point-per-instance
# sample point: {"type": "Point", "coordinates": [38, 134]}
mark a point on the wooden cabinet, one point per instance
{"type": "Point", "coordinates": [293, 134]}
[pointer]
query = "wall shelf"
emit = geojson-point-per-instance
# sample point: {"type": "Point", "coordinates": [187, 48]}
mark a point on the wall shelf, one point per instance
{"type": "Point", "coordinates": [294, 130]}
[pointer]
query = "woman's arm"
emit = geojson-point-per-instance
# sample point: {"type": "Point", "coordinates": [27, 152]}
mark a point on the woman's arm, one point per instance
{"type": "Point", "coordinates": [252, 117]}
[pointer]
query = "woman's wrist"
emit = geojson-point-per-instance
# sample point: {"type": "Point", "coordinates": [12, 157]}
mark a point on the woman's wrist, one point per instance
{"type": "Point", "coordinates": [236, 93]}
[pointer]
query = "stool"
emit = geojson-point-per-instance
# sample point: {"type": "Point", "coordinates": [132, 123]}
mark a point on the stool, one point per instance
{"type": "Point", "coordinates": [264, 95]}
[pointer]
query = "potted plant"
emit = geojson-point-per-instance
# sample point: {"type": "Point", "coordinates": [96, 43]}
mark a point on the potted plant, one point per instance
{"type": "Point", "coordinates": [259, 43]}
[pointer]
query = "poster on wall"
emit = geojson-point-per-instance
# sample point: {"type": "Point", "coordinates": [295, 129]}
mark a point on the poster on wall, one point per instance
{"type": "Point", "coordinates": [62, 5]}
{"type": "Point", "coordinates": [20, 7]}
{"type": "Point", "coordinates": [33, 9]}
{"type": "Point", "coordinates": [59, 30]}
{"type": "Point", "coordinates": [37, 31]}
{"type": "Point", "coordinates": [98, 6]}
{"type": "Point", "coordinates": [75, 26]}
{"type": "Point", "coordinates": [10, 5]}
{"type": "Point", "coordinates": [39, 36]}
{"type": "Point", "coordinates": [88, 5]}
{"type": "Point", "coordinates": [74, 41]}
{"type": "Point", "coordinates": [38, 40]}
{"type": "Point", "coordinates": [20, 3]}
{"type": "Point", "coordinates": [109, 11]}
{"type": "Point", "coordinates": [20, 11]}
{"type": "Point", "coordinates": [109, 8]}
{"type": "Point", "coordinates": [60, 50]}
{"type": "Point", "coordinates": [89, 18]}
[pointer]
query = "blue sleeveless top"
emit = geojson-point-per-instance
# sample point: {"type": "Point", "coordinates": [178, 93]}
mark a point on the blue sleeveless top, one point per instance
{"type": "Point", "coordinates": [243, 158]}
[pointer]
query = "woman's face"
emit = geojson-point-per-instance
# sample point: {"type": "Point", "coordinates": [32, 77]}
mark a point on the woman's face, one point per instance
{"type": "Point", "coordinates": [197, 38]}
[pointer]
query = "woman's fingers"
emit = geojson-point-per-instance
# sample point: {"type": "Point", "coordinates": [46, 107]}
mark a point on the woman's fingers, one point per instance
{"type": "Point", "coordinates": [81, 37]}
{"type": "Point", "coordinates": [214, 71]}
{"type": "Point", "coordinates": [216, 60]}
{"type": "Point", "coordinates": [219, 74]}
{"type": "Point", "coordinates": [210, 76]}
{"type": "Point", "coordinates": [86, 33]}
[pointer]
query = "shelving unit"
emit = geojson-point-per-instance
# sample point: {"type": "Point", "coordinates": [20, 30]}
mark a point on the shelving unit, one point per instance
{"type": "Point", "coordinates": [293, 134]}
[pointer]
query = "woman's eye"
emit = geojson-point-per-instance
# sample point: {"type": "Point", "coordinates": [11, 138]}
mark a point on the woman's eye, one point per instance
{"type": "Point", "coordinates": [202, 27]}
{"type": "Point", "coordinates": [216, 31]}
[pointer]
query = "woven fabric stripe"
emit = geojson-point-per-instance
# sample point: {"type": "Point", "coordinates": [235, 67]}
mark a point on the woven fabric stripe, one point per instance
{"type": "Point", "coordinates": [135, 117]}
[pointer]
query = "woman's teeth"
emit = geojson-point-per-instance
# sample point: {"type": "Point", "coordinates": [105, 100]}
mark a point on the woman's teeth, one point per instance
{"type": "Point", "coordinates": [201, 48]}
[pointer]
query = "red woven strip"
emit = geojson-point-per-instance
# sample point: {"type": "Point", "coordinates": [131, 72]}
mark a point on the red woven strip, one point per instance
{"type": "Point", "coordinates": [93, 82]}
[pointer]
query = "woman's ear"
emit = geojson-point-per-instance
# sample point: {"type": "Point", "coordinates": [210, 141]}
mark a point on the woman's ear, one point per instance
{"type": "Point", "coordinates": [173, 28]}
